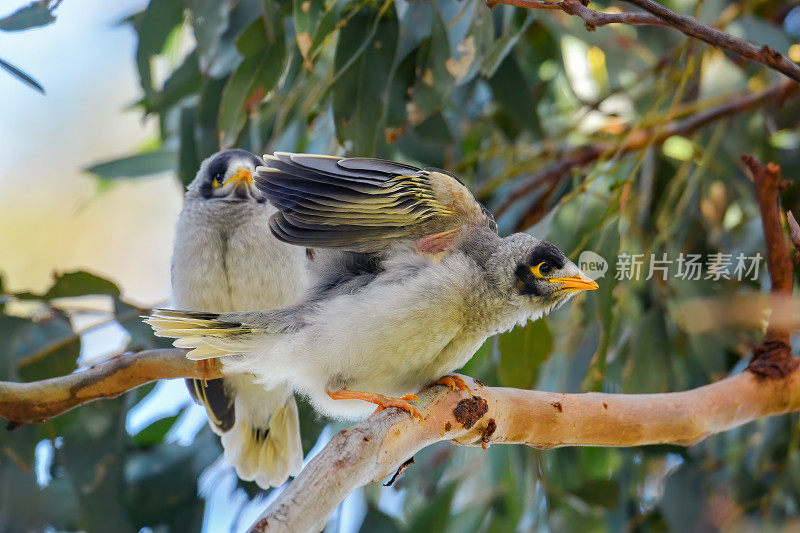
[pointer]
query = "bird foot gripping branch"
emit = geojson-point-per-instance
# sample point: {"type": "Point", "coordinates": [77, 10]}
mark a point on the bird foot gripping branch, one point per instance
{"type": "Point", "coordinates": [454, 381]}
{"type": "Point", "coordinates": [380, 400]}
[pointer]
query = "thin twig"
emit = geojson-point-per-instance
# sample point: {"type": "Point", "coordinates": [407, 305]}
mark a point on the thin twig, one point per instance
{"type": "Point", "coordinates": [639, 138]}
{"type": "Point", "coordinates": [694, 28]}
{"type": "Point", "coordinates": [794, 232]}
{"type": "Point", "coordinates": [591, 18]}
{"type": "Point", "coordinates": [658, 15]}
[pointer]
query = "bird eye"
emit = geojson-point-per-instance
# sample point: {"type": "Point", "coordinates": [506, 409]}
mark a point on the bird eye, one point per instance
{"type": "Point", "coordinates": [217, 178]}
{"type": "Point", "coordinates": [542, 269]}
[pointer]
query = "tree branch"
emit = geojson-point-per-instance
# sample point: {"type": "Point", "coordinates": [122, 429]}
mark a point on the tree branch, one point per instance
{"type": "Point", "coordinates": [37, 401]}
{"type": "Point", "coordinates": [376, 447]}
{"type": "Point", "coordinates": [658, 15]}
{"type": "Point", "coordinates": [640, 138]}
{"type": "Point", "coordinates": [773, 357]}
{"type": "Point", "coordinates": [591, 18]}
{"type": "Point", "coordinates": [694, 28]}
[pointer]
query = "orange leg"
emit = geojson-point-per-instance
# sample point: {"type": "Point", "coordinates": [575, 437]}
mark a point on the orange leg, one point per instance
{"type": "Point", "coordinates": [380, 400]}
{"type": "Point", "coordinates": [454, 382]}
{"type": "Point", "coordinates": [205, 367]}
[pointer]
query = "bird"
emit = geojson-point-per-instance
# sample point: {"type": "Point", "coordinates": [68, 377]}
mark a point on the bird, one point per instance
{"type": "Point", "coordinates": [409, 278]}
{"type": "Point", "coordinates": [225, 259]}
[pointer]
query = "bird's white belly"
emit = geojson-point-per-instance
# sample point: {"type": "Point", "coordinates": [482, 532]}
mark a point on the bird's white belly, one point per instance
{"type": "Point", "coordinates": [397, 365]}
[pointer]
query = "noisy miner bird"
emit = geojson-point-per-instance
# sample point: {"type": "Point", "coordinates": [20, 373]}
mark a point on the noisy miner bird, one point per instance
{"type": "Point", "coordinates": [414, 280]}
{"type": "Point", "coordinates": [225, 259]}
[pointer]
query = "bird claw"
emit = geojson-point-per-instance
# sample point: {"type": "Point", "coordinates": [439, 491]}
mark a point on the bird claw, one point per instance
{"type": "Point", "coordinates": [381, 401]}
{"type": "Point", "coordinates": [453, 381]}
{"type": "Point", "coordinates": [402, 403]}
{"type": "Point", "coordinates": [204, 367]}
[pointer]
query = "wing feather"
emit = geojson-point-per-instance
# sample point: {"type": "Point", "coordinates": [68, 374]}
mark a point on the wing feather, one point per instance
{"type": "Point", "coordinates": [363, 204]}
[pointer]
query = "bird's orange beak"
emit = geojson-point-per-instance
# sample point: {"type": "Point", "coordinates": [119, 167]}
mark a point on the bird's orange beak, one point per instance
{"type": "Point", "coordinates": [241, 175]}
{"type": "Point", "coordinates": [580, 282]}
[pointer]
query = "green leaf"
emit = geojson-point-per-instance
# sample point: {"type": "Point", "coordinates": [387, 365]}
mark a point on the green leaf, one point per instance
{"type": "Point", "coordinates": [599, 492]}
{"type": "Point", "coordinates": [80, 283]}
{"type": "Point", "coordinates": [436, 515]}
{"type": "Point", "coordinates": [305, 15]}
{"type": "Point", "coordinates": [522, 351]}
{"type": "Point", "coordinates": [503, 46]}
{"type": "Point", "coordinates": [377, 521]}
{"type": "Point", "coordinates": [20, 75]}
{"type": "Point", "coordinates": [188, 158]}
{"type": "Point", "coordinates": [155, 432]}
{"type": "Point", "coordinates": [252, 81]}
{"type": "Point", "coordinates": [209, 21]}
{"type": "Point", "coordinates": [135, 166]}
{"type": "Point", "coordinates": [360, 94]}
{"type": "Point", "coordinates": [683, 501]}
{"type": "Point", "coordinates": [25, 506]}
{"type": "Point", "coordinates": [208, 116]}
{"type": "Point", "coordinates": [93, 458]}
{"type": "Point", "coordinates": [184, 81]}
{"type": "Point", "coordinates": [44, 348]}
{"type": "Point", "coordinates": [142, 338]}
{"type": "Point", "coordinates": [34, 15]}
{"type": "Point", "coordinates": [161, 483]}
{"type": "Point", "coordinates": [648, 359]}
{"type": "Point", "coordinates": [154, 26]}
{"type": "Point", "coordinates": [433, 82]}
{"type": "Point", "coordinates": [516, 98]}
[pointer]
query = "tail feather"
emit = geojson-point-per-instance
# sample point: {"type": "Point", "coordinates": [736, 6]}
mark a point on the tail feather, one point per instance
{"type": "Point", "coordinates": [206, 335]}
{"type": "Point", "coordinates": [259, 428]}
{"type": "Point", "coordinates": [267, 452]}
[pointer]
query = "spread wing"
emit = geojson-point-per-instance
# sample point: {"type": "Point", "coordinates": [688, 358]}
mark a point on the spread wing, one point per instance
{"type": "Point", "coordinates": [364, 204]}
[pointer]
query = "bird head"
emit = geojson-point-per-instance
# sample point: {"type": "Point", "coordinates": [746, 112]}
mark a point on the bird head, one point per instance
{"type": "Point", "coordinates": [536, 275]}
{"type": "Point", "coordinates": [227, 175]}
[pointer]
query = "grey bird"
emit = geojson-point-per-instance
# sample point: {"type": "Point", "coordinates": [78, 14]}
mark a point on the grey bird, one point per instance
{"type": "Point", "coordinates": [225, 259]}
{"type": "Point", "coordinates": [410, 278]}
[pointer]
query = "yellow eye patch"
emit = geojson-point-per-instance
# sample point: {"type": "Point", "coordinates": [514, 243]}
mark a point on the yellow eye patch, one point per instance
{"type": "Point", "coordinates": [216, 183]}
{"type": "Point", "coordinates": [541, 269]}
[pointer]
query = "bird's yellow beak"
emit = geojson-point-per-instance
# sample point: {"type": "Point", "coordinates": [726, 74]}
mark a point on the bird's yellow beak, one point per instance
{"type": "Point", "coordinates": [241, 175]}
{"type": "Point", "coordinates": [580, 282]}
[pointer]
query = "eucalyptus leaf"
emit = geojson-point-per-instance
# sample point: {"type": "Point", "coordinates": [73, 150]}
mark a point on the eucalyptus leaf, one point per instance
{"type": "Point", "coordinates": [522, 351]}
{"type": "Point", "coordinates": [80, 283]}
{"type": "Point", "coordinates": [20, 75]}
{"type": "Point", "coordinates": [34, 15]}
{"type": "Point", "coordinates": [360, 94]}
{"type": "Point", "coordinates": [252, 80]}
{"type": "Point", "coordinates": [135, 166]}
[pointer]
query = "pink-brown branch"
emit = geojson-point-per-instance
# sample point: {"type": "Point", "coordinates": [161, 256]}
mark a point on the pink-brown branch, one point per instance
{"type": "Point", "coordinates": [22, 403]}
{"type": "Point", "coordinates": [378, 446]}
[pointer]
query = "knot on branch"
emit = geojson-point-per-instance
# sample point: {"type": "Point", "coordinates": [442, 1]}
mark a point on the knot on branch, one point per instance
{"type": "Point", "coordinates": [772, 359]}
{"type": "Point", "coordinates": [771, 56]}
{"type": "Point", "coordinates": [470, 410]}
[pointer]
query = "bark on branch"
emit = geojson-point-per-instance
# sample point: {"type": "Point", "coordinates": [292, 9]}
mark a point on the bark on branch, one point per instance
{"type": "Point", "coordinates": [658, 15]}
{"type": "Point", "coordinates": [773, 357]}
{"type": "Point", "coordinates": [376, 447]}
{"type": "Point", "coordinates": [37, 401]}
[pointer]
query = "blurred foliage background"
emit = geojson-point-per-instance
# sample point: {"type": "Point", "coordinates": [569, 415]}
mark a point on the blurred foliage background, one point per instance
{"type": "Point", "coordinates": [531, 110]}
